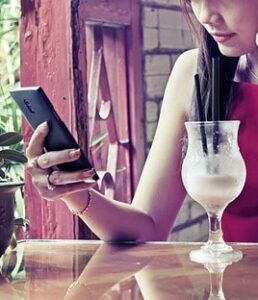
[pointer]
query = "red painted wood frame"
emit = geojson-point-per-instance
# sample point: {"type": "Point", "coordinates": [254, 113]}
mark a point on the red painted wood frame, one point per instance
{"type": "Point", "coordinates": [87, 56]}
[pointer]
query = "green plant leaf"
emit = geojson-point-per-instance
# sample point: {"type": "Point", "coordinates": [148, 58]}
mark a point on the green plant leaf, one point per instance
{"type": "Point", "coordinates": [2, 33]}
{"type": "Point", "coordinates": [13, 155]}
{"type": "Point", "coordinates": [10, 138]}
{"type": "Point", "coordinates": [21, 222]}
{"type": "Point", "coordinates": [2, 174]}
{"type": "Point", "coordinates": [2, 2]}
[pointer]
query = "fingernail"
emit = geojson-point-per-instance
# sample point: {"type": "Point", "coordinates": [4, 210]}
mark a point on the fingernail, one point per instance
{"type": "Point", "coordinates": [43, 125]}
{"type": "Point", "coordinates": [90, 181]}
{"type": "Point", "coordinates": [88, 173]}
{"type": "Point", "coordinates": [75, 153]}
{"type": "Point", "coordinates": [55, 175]}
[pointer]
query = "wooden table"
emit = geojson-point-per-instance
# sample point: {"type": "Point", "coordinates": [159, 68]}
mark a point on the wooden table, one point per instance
{"type": "Point", "coordinates": [95, 270]}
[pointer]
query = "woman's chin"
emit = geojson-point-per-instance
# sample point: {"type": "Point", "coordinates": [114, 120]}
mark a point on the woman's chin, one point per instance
{"type": "Point", "coordinates": [233, 51]}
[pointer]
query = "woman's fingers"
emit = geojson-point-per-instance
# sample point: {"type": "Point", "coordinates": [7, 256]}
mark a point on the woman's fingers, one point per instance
{"type": "Point", "coordinates": [65, 190]}
{"type": "Point", "coordinates": [36, 154]}
{"type": "Point", "coordinates": [54, 184]}
{"type": "Point", "coordinates": [61, 178]}
{"type": "Point", "coordinates": [33, 167]}
{"type": "Point", "coordinates": [36, 144]}
{"type": "Point", "coordinates": [257, 39]}
{"type": "Point", "coordinates": [54, 158]}
{"type": "Point", "coordinates": [59, 191]}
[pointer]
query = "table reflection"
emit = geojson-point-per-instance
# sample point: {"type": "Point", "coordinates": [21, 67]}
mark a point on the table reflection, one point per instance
{"type": "Point", "coordinates": [99, 279]}
{"type": "Point", "coordinates": [95, 270]}
{"type": "Point", "coordinates": [216, 271]}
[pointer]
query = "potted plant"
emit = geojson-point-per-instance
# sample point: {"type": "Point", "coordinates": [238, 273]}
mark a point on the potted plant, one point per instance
{"type": "Point", "coordinates": [11, 171]}
{"type": "Point", "coordinates": [8, 186]}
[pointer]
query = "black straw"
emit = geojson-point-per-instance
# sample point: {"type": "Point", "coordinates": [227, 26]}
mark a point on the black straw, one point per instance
{"type": "Point", "coordinates": [199, 98]}
{"type": "Point", "coordinates": [216, 100]}
{"type": "Point", "coordinates": [215, 88]}
{"type": "Point", "coordinates": [201, 113]}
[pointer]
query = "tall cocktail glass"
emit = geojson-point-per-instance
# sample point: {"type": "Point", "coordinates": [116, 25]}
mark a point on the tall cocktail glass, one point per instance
{"type": "Point", "coordinates": [213, 174]}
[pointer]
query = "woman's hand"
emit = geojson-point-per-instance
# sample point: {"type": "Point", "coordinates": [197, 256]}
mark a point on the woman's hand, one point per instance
{"type": "Point", "coordinates": [50, 182]}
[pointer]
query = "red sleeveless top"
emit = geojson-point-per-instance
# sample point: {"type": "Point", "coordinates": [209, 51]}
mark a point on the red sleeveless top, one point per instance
{"type": "Point", "coordinates": [240, 219]}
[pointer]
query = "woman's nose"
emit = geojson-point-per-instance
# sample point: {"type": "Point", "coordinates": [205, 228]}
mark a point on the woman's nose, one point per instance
{"type": "Point", "coordinates": [209, 13]}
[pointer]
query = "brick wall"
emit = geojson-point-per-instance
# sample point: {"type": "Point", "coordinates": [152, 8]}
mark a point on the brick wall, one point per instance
{"type": "Point", "coordinates": [165, 36]}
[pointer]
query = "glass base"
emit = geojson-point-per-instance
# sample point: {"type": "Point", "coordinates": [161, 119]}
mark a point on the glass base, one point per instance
{"type": "Point", "coordinates": [216, 253]}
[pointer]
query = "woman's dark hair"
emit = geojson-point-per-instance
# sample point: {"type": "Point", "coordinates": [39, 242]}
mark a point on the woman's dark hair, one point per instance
{"type": "Point", "coordinates": [208, 49]}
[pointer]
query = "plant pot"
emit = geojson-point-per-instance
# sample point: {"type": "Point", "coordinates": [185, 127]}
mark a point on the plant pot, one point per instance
{"type": "Point", "coordinates": [7, 200]}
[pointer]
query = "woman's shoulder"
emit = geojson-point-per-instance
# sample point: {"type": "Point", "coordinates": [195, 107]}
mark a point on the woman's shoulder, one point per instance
{"type": "Point", "coordinates": [185, 66]}
{"type": "Point", "coordinates": [181, 81]}
{"type": "Point", "coordinates": [187, 61]}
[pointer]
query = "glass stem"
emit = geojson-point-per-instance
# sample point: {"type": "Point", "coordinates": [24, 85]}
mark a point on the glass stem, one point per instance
{"type": "Point", "coordinates": [215, 231]}
{"type": "Point", "coordinates": [216, 291]}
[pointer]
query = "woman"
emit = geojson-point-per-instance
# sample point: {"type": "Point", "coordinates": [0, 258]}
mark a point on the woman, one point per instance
{"type": "Point", "coordinates": [160, 192]}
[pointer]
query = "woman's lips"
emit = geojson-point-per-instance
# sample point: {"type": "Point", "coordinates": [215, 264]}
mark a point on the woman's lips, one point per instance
{"type": "Point", "coordinates": [222, 37]}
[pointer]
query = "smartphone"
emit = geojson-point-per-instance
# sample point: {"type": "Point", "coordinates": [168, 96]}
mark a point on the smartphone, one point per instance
{"type": "Point", "coordinates": [37, 108]}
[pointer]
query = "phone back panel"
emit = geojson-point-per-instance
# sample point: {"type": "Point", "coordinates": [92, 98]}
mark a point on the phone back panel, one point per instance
{"type": "Point", "coordinates": [37, 109]}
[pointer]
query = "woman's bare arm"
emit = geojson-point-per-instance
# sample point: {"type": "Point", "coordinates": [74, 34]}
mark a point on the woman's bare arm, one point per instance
{"type": "Point", "coordinates": [160, 192]}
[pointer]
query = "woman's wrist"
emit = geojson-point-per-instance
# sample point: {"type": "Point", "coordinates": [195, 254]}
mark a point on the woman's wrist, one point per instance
{"type": "Point", "coordinates": [79, 203]}
{"type": "Point", "coordinates": [79, 212]}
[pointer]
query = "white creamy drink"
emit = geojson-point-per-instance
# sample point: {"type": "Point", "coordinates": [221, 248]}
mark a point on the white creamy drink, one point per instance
{"type": "Point", "coordinates": [213, 192]}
